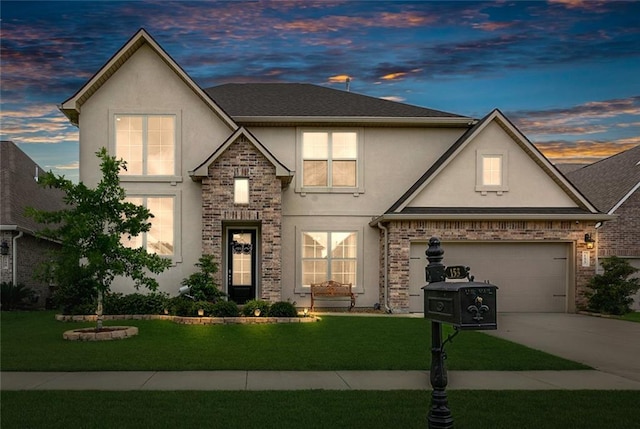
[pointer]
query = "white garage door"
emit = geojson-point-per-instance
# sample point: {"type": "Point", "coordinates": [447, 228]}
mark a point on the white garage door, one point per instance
{"type": "Point", "coordinates": [531, 277]}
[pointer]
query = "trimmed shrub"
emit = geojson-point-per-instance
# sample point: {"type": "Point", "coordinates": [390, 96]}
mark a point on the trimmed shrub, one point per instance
{"type": "Point", "coordinates": [135, 303]}
{"type": "Point", "coordinates": [251, 306]}
{"type": "Point", "coordinates": [203, 288]}
{"type": "Point", "coordinates": [283, 309]}
{"type": "Point", "coordinates": [611, 291]}
{"type": "Point", "coordinates": [225, 309]}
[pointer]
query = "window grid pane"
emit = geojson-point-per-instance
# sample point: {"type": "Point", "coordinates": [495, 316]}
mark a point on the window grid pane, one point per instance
{"type": "Point", "coordinates": [344, 173]}
{"type": "Point", "coordinates": [315, 173]}
{"type": "Point", "coordinates": [315, 145]}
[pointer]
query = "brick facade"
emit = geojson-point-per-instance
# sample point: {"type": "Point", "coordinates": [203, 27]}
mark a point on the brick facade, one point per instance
{"type": "Point", "coordinates": [243, 159]}
{"type": "Point", "coordinates": [401, 233]}
{"type": "Point", "coordinates": [32, 253]}
{"type": "Point", "coordinates": [621, 236]}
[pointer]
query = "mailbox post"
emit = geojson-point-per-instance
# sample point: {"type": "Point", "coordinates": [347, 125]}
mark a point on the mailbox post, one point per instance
{"type": "Point", "coordinates": [465, 305]}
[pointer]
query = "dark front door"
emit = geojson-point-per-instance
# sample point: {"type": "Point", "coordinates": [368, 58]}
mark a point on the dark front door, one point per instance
{"type": "Point", "coordinates": [241, 257]}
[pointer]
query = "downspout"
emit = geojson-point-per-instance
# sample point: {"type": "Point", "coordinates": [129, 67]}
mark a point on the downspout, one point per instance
{"type": "Point", "coordinates": [597, 227]}
{"type": "Point", "coordinates": [15, 258]}
{"type": "Point", "coordinates": [386, 267]}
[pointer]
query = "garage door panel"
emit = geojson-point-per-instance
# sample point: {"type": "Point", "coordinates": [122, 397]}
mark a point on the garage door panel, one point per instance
{"type": "Point", "coordinates": [530, 276]}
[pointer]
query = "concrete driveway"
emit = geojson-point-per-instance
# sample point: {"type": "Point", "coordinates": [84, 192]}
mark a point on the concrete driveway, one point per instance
{"type": "Point", "coordinates": [608, 345]}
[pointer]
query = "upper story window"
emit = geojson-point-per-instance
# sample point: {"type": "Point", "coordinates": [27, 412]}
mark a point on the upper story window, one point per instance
{"type": "Point", "coordinates": [491, 171]}
{"type": "Point", "coordinates": [330, 161]}
{"type": "Point", "coordinates": [147, 143]}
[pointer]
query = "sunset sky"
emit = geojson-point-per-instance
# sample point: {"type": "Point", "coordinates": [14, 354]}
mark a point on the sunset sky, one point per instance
{"type": "Point", "coordinates": [566, 72]}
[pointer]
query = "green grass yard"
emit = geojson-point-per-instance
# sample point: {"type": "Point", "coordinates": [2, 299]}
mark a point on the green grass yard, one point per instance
{"type": "Point", "coordinates": [317, 409]}
{"type": "Point", "coordinates": [32, 341]}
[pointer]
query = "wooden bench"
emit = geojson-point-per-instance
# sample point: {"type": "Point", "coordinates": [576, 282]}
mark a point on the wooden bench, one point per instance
{"type": "Point", "coordinates": [332, 290]}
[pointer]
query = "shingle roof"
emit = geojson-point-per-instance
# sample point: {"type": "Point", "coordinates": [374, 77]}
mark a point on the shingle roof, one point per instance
{"type": "Point", "coordinates": [606, 182]}
{"type": "Point", "coordinates": [306, 100]}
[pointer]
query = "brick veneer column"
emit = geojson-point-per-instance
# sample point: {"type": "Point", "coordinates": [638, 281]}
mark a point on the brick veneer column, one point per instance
{"type": "Point", "coordinates": [264, 208]}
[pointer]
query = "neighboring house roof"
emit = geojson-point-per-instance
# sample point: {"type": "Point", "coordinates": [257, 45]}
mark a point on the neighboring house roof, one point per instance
{"type": "Point", "coordinates": [20, 190]}
{"type": "Point", "coordinates": [301, 102]}
{"type": "Point", "coordinates": [71, 107]}
{"type": "Point", "coordinates": [400, 208]}
{"type": "Point", "coordinates": [282, 171]}
{"type": "Point", "coordinates": [608, 183]}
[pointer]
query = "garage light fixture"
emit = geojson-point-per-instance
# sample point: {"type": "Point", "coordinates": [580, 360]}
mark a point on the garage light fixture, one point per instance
{"type": "Point", "coordinates": [590, 241]}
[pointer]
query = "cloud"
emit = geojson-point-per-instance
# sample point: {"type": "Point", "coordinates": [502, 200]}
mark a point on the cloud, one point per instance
{"type": "Point", "coordinates": [75, 165]}
{"type": "Point", "coordinates": [584, 151]}
{"type": "Point", "coordinates": [587, 118]}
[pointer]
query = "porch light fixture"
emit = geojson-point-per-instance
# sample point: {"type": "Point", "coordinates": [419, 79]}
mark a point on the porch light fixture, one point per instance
{"type": "Point", "coordinates": [589, 240]}
{"type": "Point", "coordinates": [257, 312]}
{"type": "Point", "coordinates": [4, 247]}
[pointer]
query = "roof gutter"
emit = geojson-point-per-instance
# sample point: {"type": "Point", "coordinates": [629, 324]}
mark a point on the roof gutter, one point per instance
{"type": "Point", "coordinates": [388, 217]}
{"type": "Point", "coordinates": [442, 121]}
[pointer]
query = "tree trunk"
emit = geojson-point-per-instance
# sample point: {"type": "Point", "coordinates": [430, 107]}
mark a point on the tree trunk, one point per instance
{"type": "Point", "coordinates": [99, 311]}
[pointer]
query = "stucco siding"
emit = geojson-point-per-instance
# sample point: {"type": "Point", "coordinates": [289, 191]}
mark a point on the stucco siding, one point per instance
{"type": "Point", "coordinates": [146, 85]}
{"type": "Point", "coordinates": [394, 158]}
{"type": "Point", "coordinates": [528, 184]}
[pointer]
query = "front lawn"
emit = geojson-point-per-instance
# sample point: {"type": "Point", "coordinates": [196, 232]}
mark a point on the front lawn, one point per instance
{"type": "Point", "coordinates": [317, 409]}
{"type": "Point", "coordinates": [32, 341]}
{"type": "Point", "coordinates": [633, 316]}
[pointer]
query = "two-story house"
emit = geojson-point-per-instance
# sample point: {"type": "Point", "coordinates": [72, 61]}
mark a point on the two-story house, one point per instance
{"type": "Point", "coordinates": [292, 184]}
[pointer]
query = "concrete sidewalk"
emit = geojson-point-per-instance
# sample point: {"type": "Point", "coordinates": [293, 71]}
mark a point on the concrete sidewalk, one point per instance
{"type": "Point", "coordinates": [312, 380]}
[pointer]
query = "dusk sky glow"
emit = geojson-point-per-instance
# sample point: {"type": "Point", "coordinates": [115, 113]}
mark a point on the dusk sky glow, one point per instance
{"type": "Point", "coordinates": [566, 72]}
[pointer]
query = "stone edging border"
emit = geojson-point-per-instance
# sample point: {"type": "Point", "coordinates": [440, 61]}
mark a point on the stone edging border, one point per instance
{"type": "Point", "coordinates": [190, 320]}
{"type": "Point", "coordinates": [118, 333]}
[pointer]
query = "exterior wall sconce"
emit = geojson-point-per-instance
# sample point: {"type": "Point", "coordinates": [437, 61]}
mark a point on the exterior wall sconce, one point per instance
{"type": "Point", "coordinates": [590, 241]}
{"type": "Point", "coordinates": [4, 248]}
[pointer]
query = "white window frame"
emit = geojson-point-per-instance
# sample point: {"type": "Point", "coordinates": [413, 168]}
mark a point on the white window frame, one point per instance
{"type": "Point", "coordinates": [176, 177]}
{"type": "Point", "coordinates": [357, 286]}
{"type": "Point", "coordinates": [481, 155]}
{"type": "Point", "coordinates": [177, 220]}
{"type": "Point", "coordinates": [356, 190]}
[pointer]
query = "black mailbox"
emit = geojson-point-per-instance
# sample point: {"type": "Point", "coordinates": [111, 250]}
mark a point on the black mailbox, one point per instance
{"type": "Point", "coordinates": [466, 305]}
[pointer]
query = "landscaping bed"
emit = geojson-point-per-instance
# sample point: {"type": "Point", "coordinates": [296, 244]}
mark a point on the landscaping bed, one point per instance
{"type": "Point", "coordinates": [183, 320]}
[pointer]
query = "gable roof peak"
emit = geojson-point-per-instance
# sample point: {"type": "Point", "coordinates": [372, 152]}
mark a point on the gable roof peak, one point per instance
{"type": "Point", "coordinates": [463, 141]}
{"type": "Point", "coordinates": [72, 106]}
